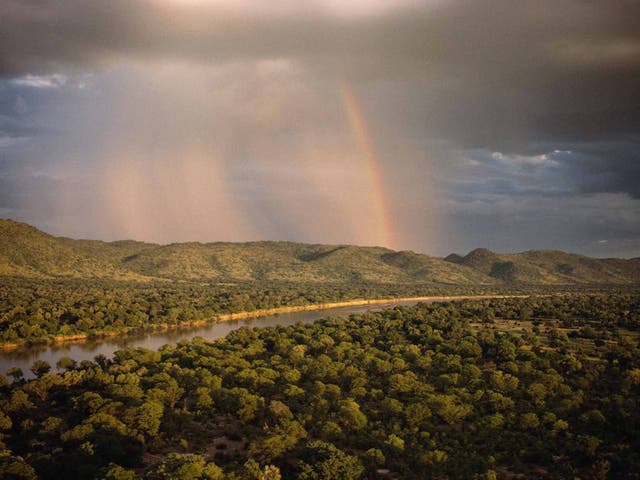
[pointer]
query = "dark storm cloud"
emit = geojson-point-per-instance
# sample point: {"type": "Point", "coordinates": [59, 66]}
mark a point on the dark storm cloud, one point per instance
{"type": "Point", "coordinates": [605, 167]}
{"type": "Point", "coordinates": [499, 74]}
{"type": "Point", "coordinates": [16, 128]}
{"type": "Point", "coordinates": [588, 168]}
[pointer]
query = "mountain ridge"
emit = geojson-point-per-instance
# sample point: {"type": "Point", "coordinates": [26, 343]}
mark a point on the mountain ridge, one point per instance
{"type": "Point", "coordinates": [26, 251]}
{"type": "Point", "coordinates": [549, 266]}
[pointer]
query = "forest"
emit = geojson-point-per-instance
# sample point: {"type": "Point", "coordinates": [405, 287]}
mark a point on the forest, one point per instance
{"type": "Point", "coordinates": [537, 387]}
{"type": "Point", "coordinates": [36, 311]}
{"type": "Point", "coordinates": [39, 310]}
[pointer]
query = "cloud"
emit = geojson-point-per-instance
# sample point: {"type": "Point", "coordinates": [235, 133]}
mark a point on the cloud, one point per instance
{"type": "Point", "coordinates": [589, 167]}
{"type": "Point", "coordinates": [541, 222]}
{"type": "Point", "coordinates": [505, 103]}
{"type": "Point", "coordinates": [527, 160]}
{"type": "Point", "coordinates": [489, 73]}
{"type": "Point", "coordinates": [54, 80]}
{"type": "Point", "coordinates": [9, 141]}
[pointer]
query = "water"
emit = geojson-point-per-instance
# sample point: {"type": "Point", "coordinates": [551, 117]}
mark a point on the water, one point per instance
{"type": "Point", "coordinates": [88, 349]}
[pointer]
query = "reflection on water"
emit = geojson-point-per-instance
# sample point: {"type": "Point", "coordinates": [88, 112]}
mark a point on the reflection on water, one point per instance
{"type": "Point", "coordinates": [89, 349]}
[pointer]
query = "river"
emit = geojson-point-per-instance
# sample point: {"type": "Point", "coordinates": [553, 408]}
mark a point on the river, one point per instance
{"type": "Point", "coordinates": [88, 349]}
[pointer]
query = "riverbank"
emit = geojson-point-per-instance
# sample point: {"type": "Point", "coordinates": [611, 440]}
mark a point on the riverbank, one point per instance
{"type": "Point", "coordinates": [163, 327]}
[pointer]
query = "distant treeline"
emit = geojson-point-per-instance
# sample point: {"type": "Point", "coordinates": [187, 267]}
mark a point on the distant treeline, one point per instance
{"type": "Point", "coordinates": [543, 387]}
{"type": "Point", "coordinates": [40, 310]}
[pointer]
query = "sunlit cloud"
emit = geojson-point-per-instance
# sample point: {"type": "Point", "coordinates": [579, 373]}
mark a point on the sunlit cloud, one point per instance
{"type": "Point", "coordinates": [55, 80]}
{"type": "Point", "coordinates": [526, 160]}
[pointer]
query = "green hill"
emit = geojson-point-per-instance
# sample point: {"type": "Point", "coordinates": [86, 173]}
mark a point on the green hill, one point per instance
{"type": "Point", "coordinates": [295, 262]}
{"type": "Point", "coordinates": [28, 252]}
{"type": "Point", "coordinates": [550, 267]}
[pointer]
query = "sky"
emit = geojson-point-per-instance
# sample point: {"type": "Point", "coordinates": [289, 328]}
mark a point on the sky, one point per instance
{"type": "Point", "coordinates": [436, 126]}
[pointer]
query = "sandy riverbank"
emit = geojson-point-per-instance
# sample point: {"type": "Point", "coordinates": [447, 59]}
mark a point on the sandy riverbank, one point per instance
{"type": "Point", "coordinates": [160, 327]}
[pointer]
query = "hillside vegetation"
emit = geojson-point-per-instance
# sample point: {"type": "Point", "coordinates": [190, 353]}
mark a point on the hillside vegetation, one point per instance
{"type": "Point", "coordinates": [25, 251]}
{"type": "Point", "coordinates": [28, 252]}
{"type": "Point", "coordinates": [549, 267]}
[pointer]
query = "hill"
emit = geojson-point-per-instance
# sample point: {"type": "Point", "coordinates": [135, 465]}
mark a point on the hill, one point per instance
{"type": "Point", "coordinates": [550, 267]}
{"type": "Point", "coordinates": [28, 252]}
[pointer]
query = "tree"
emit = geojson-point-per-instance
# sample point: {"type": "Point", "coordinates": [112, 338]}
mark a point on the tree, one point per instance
{"type": "Point", "coordinates": [351, 416]}
{"type": "Point", "coordinates": [529, 421]}
{"type": "Point", "coordinates": [40, 367]}
{"type": "Point", "coordinates": [66, 363]}
{"type": "Point", "coordinates": [324, 461]}
{"type": "Point", "coordinates": [5, 421]}
{"type": "Point", "coordinates": [116, 472]}
{"type": "Point", "coordinates": [16, 373]}
{"type": "Point", "coordinates": [280, 439]}
{"type": "Point", "coordinates": [374, 458]}
{"type": "Point", "coordinates": [101, 360]}
{"type": "Point", "coordinates": [452, 412]}
{"type": "Point", "coordinates": [148, 417]}
{"type": "Point", "coordinates": [506, 350]}
{"type": "Point", "coordinates": [251, 471]}
{"type": "Point", "coordinates": [270, 472]}
{"type": "Point", "coordinates": [15, 468]}
{"type": "Point", "coordinates": [184, 467]}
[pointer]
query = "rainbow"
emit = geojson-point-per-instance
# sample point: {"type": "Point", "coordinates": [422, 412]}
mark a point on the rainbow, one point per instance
{"type": "Point", "coordinates": [376, 182]}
